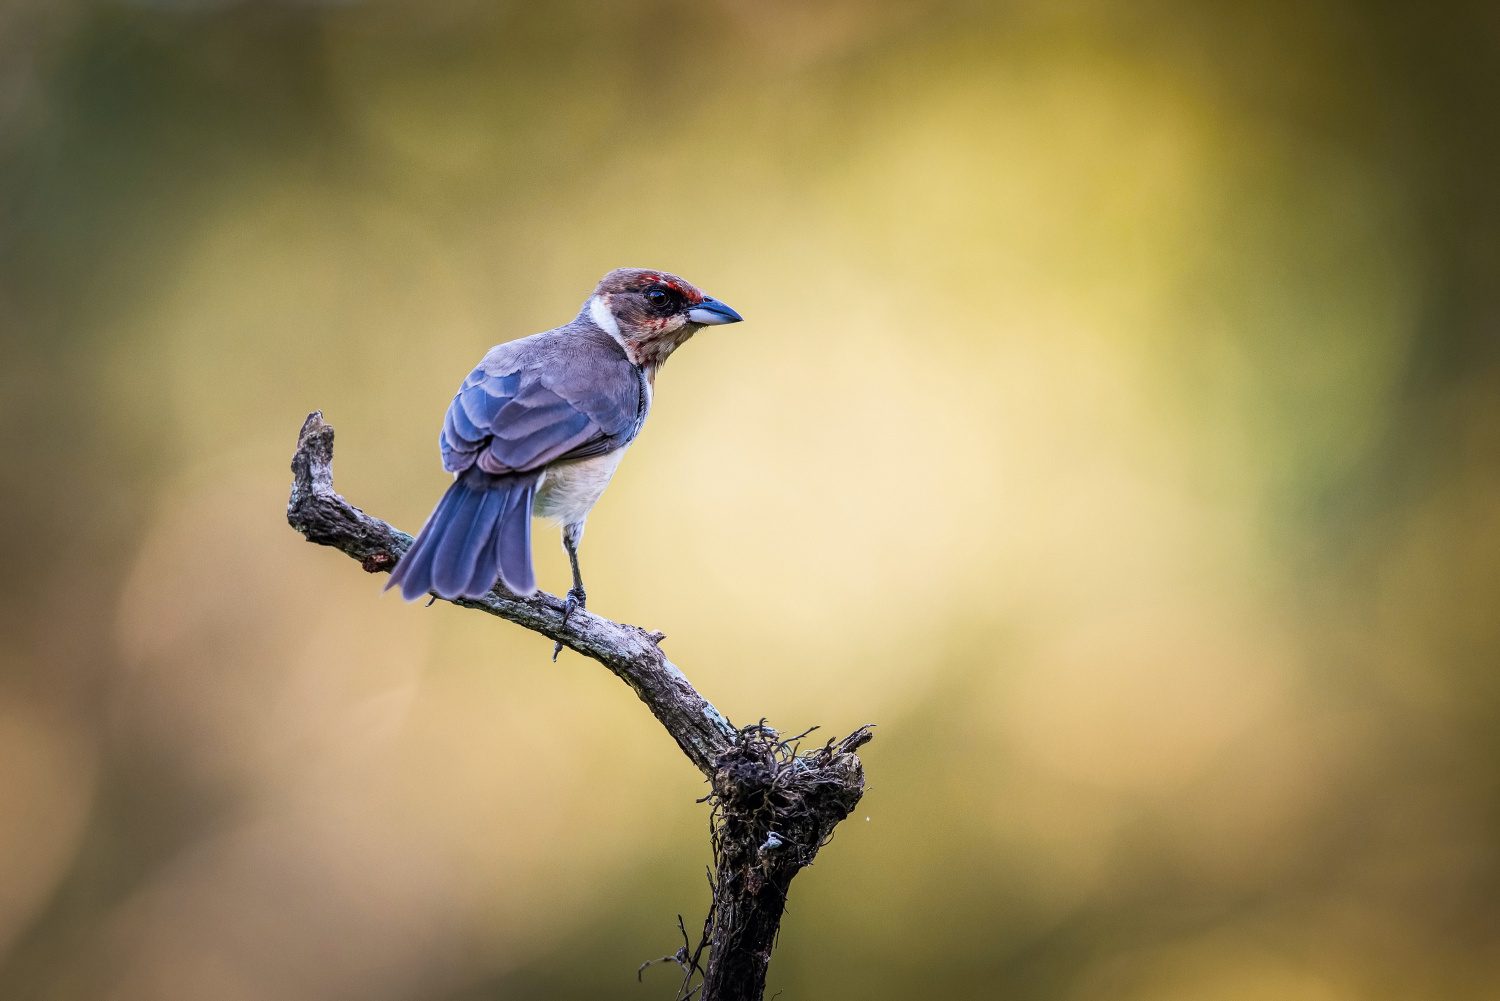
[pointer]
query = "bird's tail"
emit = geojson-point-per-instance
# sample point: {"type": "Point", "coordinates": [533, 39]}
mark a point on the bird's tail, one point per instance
{"type": "Point", "coordinates": [480, 530]}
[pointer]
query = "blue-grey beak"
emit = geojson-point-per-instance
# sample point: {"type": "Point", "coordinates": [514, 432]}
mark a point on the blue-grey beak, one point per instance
{"type": "Point", "coordinates": [712, 311]}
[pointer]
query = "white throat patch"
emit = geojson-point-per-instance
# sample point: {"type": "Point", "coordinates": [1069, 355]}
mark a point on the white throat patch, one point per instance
{"type": "Point", "coordinates": [600, 314]}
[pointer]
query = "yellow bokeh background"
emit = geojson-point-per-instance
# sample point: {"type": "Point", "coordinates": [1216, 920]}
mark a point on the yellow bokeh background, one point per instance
{"type": "Point", "coordinates": [1114, 424]}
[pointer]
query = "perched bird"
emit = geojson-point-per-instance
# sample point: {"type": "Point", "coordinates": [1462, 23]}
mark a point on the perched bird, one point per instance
{"type": "Point", "coordinates": [539, 428]}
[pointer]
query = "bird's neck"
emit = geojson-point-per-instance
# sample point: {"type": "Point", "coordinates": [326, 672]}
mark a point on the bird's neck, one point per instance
{"type": "Point", "coordinates": [651, 351]}
{"type": "Point", "coordinates": [647, 347]}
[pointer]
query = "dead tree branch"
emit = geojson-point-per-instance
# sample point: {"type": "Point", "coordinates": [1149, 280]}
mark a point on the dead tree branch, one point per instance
{"type": "Point", "coordinates": [773, 806]}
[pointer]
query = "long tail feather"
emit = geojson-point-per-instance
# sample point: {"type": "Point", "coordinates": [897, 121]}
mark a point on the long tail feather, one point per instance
{"type": "Point", "coordinates": [513, 548]}
{"type": "Point", "coordinates": [414, 571]}
{"type": "Point", "coordinates": [486, 567]}
{"type": "Point", "coordinates": [481, 529]}
{"type": "Point", "coordinates": [458, 546]}
{"type": "Point", "coordinates": [460, 575]}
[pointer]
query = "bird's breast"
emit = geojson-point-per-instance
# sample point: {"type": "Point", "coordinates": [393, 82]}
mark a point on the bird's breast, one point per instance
{"type": "Point", "coordinates": [570, 489]}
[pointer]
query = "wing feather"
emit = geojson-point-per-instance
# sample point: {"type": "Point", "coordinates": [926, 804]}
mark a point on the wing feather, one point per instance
{"type": "Point", "coordinates": [531, 402]}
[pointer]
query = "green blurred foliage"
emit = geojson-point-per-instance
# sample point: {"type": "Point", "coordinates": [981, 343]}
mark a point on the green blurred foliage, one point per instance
{"type": "Point", "coordinates": [1116, 424]}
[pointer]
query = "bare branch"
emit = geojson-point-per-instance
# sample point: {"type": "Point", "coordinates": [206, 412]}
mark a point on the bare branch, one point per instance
{"type": "Point", "coordinates": [773, 806]}
{"type": "Point", "coordinates": [632, 653]}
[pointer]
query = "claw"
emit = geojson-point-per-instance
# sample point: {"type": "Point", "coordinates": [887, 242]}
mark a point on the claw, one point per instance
{"type": "Point", "coordinates": [575, 599]}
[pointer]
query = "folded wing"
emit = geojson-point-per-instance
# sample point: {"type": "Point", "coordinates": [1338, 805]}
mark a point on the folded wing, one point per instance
{"type": "Point", "coordinates": [530, 403]}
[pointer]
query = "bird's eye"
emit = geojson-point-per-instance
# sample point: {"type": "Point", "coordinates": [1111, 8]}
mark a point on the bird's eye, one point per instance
{"type": "Point", "coordinates": [658, 298]}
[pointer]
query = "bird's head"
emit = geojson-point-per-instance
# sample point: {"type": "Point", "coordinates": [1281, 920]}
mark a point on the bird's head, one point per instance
{"type": "Point", "coordinates": [651, 313]}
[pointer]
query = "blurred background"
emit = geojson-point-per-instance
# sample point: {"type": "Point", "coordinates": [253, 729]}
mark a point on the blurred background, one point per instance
{"type": "Point", "coordinates": [1116, 424]}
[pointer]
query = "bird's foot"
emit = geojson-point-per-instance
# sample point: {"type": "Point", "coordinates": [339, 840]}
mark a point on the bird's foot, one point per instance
{"type": "Point", "coordinates": [575, 599]}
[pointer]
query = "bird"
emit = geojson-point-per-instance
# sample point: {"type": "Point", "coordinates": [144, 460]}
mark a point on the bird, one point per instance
{"type": "Point", "coordinates": [538, 429]}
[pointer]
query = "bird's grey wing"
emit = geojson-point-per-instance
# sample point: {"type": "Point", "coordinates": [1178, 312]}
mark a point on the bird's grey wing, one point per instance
{"type": "Point", "coordinates": [539, 402]}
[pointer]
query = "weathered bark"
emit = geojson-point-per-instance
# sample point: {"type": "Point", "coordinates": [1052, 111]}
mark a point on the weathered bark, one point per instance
{"type": "Point", "coordinates": [772, 806]}
{"type": "Point", "coordinates": [773, 809]}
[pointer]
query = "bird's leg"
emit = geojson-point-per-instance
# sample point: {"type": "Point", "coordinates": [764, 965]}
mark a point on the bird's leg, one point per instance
{"type": "Point", "coordinates": [577, 597]}
{"type": "Point", "coordinates": [572, 535]}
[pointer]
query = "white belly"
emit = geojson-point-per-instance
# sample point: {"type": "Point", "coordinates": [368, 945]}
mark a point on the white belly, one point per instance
{"type": "Point", "coordinates": [570, 490]}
